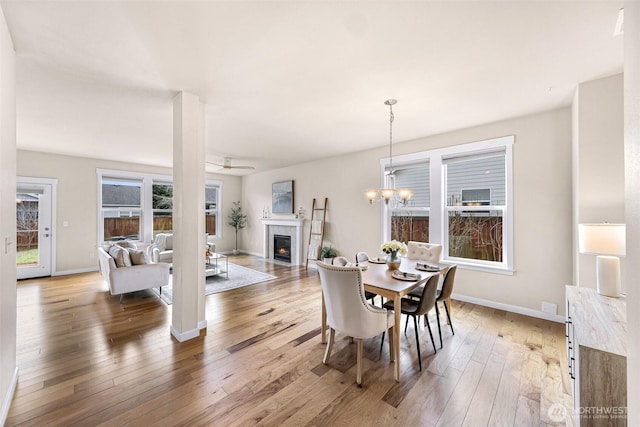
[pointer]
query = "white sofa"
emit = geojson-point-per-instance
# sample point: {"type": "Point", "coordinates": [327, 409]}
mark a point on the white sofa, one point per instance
{"type": "Point", "coordinates": [122, 280]}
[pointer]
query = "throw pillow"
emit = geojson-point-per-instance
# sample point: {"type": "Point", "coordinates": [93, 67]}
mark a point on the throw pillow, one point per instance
{"type": "Point", "coordinates": [168, 243]}
{"type": "Point", "coordinates": [138, 257]}
{"type": "Point", "coordinates": [120, 255]}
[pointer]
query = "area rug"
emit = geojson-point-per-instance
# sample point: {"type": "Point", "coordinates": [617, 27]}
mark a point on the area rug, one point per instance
{"type": "Point", "coordinates": [238, 277]}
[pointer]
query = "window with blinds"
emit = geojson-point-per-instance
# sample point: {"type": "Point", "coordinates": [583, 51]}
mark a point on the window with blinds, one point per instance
{"type": "Point", "coordinates": [475, 182]}
{"type": "Point", "coordinates": [415, 177]}
{"type": "Point", "coordinates": [411, 222]}
{"type": "Point", "coordinates": [462, 200]}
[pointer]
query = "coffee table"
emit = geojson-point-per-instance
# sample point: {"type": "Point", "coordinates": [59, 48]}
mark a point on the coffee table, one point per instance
{"type": "Point", "coordinates": [216, 264]}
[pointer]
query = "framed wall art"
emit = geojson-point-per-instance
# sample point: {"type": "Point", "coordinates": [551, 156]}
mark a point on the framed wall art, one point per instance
{"type": "Point", "coordinates": [282, 197]}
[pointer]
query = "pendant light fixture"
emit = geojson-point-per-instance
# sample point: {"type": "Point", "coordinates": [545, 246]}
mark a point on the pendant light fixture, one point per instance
{"type": "Point", "coordinates": [389, 192]}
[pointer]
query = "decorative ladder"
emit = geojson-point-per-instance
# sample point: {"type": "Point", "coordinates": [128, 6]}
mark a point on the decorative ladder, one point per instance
{"type": "Point", "coordinates": [316, 231]}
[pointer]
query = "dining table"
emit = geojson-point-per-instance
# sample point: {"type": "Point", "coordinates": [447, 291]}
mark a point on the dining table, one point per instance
{"type": "Point", "coordinates": [378, 278]}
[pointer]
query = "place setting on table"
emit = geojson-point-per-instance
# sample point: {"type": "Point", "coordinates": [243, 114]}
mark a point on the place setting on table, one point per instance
{"type": "Point", "coordinates": [399, 266]}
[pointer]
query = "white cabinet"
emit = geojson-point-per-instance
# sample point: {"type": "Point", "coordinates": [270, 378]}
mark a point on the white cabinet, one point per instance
{"type": "Point", "coordinates": [596, 330]}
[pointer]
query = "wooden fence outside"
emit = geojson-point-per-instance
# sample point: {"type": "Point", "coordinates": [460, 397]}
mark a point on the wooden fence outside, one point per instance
{"type": "Point", "coordinates": [129, 227]}
{"type": "Point", "coordinates": [473, 237]}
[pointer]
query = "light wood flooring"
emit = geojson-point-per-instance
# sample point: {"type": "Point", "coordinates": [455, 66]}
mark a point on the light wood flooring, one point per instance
{"type": "Point", "coordinates": [87, 360]}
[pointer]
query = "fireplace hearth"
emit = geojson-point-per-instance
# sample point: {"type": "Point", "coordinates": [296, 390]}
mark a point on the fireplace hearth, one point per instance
{"type": "Point", "coordinates": [282, 248]}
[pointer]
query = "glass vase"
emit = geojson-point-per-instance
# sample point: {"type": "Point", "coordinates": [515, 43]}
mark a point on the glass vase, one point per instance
{"type": "Point", "coordinates": [393, 261]}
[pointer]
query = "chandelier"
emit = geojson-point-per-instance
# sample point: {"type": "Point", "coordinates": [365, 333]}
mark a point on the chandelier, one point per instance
{"type": "Point", "coordinates": [389, 191]}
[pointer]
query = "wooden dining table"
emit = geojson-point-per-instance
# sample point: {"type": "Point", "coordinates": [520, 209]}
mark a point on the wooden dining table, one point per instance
{"type": "Point", "coordinates": [377, 278]}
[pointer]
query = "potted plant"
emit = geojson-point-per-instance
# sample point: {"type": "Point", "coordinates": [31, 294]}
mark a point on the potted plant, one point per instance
{"type": "Point", "coordinates": [328, 253]}
{"type": "Point", "coordinates": [238, 221]}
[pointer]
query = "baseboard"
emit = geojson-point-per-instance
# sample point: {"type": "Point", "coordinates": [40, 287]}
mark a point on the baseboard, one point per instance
{"type": "Point", "coordinates": [77, 271]}
{"type": "Point", "coordinates": [6, 402]}
{"type": "Point", "coordinates": [184, 336]}
{"type": "Point", "coordinates": [258, 254]}
{"type": "Point", "coordinates": [511, 308]}
{"type": "Point", "coordinates": [202, 325]}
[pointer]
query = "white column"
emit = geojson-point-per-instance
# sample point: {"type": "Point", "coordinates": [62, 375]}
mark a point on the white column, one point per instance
{"type": "Point", "coordinates": [8, 367]}
{"type": "Point", "coordinates": [632, 181]}
{"type": "Point", "coordinates": [188, 315]}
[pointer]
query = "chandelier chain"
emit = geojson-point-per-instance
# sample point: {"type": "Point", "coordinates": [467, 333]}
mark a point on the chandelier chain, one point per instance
{"type": "Point", "coordinates": [391, 117]}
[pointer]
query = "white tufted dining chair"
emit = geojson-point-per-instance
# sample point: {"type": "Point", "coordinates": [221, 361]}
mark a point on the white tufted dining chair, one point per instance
{"type": "Point", "coordinates": [423, 251]}
{"type": "Point", "coordinates": [364, 257]}
{"type": "Point", "coordinates": [349, 313]}
{"type": "Point", "coordinates": [340, 261]}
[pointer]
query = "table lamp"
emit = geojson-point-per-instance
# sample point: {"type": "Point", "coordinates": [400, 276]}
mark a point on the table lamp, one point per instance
{"type": "Point", "coordinates": [608, 242]}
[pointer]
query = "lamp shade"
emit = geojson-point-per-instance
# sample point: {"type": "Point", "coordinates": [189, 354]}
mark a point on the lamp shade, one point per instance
{"type": "Point", "coordinates": [602, 239]}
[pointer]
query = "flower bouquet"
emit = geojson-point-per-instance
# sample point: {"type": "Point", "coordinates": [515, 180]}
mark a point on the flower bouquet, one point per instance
{"type": "Point", "coordinates": [393, 249]}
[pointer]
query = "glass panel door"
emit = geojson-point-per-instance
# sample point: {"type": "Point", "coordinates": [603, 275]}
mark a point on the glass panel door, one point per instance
{"type": "Point", "coordinates": [33, 230]}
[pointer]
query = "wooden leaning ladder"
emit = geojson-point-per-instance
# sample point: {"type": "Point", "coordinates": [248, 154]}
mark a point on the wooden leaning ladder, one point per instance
{"type": "Point", "coordinates": [316, 237]}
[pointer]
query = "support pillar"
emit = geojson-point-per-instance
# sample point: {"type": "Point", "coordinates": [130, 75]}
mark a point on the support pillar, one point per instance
{"type": "Point", "coordinates": [188, 315]}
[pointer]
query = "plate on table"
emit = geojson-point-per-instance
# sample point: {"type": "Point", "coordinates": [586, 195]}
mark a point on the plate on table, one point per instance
{"type": "Point", "coordinates": [409, 277]}
{"type": "Point", "coordinates": [376, 261]}
{"type": "Point", "coordinates": [427, 267]}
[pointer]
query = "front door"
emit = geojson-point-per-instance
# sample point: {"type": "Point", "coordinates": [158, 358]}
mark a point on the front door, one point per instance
{"type": "Point", "coordinates": [33, 226]}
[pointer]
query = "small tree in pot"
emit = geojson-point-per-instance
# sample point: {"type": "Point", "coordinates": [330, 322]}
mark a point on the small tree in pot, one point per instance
{"type": "Point", "coordinates": [238, 221]}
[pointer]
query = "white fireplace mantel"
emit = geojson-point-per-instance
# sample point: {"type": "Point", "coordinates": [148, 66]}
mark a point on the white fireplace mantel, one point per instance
{"type": "Point", "coordinates": [296, 225]}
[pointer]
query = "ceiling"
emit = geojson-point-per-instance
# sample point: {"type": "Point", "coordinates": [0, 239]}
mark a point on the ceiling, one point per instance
{"type": "Point", "coordinates": [288, 82]}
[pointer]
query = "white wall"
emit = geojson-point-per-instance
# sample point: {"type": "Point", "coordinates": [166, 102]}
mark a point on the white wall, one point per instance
{"type": "Point", "coordinates": [77, 203]}
{"type": "Point", "coordinates": [8, 369]}
{"type": "Point", "coordinates": [598, 163]}
{"type": "Point", "coordinates": [632, 175]}
{"type": "Point", "coordinates": [542, 215]}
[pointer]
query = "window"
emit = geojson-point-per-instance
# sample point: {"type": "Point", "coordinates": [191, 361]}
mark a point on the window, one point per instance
{"type": "Point", "coordinates": [464, 195]}
{"type": "Point", "coordinates": [138, 206]}
{"type": "Point", "coordinates": [162, 207]}
{"type": "Point", "coordinates": [474, 233]}
{"type": "Point", "coordinates": [411, 221]}
{"type": "Point", "coordinates": [476, 197]}
{"type": "Point", "coordinates": [121, 209]}
{"type": "Point", "coordinates": [211, 209]}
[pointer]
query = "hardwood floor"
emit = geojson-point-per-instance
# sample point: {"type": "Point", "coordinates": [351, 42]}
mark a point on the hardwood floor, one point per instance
{"type": "Point", "coordinates": [85, 359]}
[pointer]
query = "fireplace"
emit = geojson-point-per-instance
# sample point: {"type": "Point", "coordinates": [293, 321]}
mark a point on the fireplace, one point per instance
{"type": "Point", "coordinates": [282, 248]}
{"type": "Point", "coordinates": [290, 227]}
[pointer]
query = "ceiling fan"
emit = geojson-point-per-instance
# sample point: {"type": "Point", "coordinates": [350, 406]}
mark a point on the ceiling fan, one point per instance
{"type": "Point", "coordinates": [227, 165]}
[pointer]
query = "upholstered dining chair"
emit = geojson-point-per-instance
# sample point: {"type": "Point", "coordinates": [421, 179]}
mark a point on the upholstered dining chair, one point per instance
{"type": "Point", "coordinates": [444, 296]}
{"type": "Point", "coordinates": [349, 313]}
{"type": "Point", "coordinates": [423, 251]}
{"type": "Point", "coordinates": [418, 308]}
{"type": "Point", "coordinates": [340, 261]}
{"type": "Point", "coordinates": [364, 257]}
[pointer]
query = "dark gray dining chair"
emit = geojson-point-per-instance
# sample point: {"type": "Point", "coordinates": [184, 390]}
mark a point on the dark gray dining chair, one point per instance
{"type": "Point", "coordinates": [443, 297]}
{"type": "Point", "coordinates": [418, 308]}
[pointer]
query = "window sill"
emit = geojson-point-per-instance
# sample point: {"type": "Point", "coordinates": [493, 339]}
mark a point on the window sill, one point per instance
{"type": "Point", "coordinates": [484, 268]}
